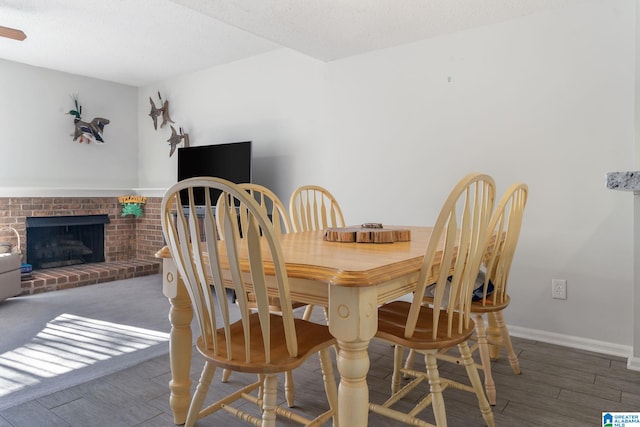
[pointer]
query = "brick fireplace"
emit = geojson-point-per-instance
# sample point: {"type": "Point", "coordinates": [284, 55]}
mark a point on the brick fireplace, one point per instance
{"type": "Point", "coordinates": [58, 241]}
{"type": "Point", "coordinates": [130, 243]}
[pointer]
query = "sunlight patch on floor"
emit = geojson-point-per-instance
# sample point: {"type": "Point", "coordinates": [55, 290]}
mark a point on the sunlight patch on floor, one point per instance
{"type": "Point", "coordinates": [67, 343]}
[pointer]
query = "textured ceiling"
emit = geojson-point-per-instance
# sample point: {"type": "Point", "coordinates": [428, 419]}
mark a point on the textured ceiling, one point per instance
{"type": "Point", "coordinates": [138, 42]}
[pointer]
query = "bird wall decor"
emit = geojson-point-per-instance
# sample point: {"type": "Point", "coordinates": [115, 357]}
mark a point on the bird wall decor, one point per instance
{"type": "Point", "coordinates": [157, 112]}
{"type": "Point", "coordinates": [176, 138]}
{"type": "Point", "coordinates": [87, 131]}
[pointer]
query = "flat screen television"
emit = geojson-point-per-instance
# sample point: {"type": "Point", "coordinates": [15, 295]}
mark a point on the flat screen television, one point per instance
{"type": "Point", "coordinates": [230, 161]}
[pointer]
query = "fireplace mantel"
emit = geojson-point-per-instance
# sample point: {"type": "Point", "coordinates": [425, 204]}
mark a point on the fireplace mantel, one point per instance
{"type": "Point", "coordinates": [78, 192]}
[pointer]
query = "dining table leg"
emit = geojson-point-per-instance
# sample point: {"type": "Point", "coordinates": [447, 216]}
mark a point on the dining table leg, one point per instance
{"type": "Point", "coordinates": [353, 321]}
{"type": "Point", "coordinates": [180, 344]}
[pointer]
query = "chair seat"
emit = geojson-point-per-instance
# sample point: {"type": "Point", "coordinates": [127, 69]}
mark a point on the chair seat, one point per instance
{"type": "Point", "coordinates": [392, 319]}
{"type": "Point", "coordinates": [311, 338]}
{"type": "Point", "coordinates": [478, 307]}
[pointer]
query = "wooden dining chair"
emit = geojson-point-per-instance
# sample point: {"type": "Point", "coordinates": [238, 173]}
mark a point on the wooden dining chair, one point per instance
{"type": "Point", "coordinates": [458, 240]}
{"type": "Point", "coordinates": [492, 298]}
{"type": "Point", "coordinates": [312, 207]}
{"type": "Point", "coordinates": [270, 204]}
{"type": "Point", "coordinates": [505, 225]}
{"type": "Point", "coordinates": [277, 213]}
{"type": "Point", "coordinates": [260, 342]}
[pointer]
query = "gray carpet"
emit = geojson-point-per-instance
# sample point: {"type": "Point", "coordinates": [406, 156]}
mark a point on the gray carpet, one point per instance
{"type": "Point", "coordinates": [55, 340]}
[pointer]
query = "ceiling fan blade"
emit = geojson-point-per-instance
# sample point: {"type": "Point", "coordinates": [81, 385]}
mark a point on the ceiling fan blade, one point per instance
{"type": "Point", "coordinates": [12, 33]}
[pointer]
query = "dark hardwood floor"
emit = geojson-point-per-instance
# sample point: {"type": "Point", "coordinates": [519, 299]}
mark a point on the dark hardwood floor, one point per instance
{"type": "Point", "coordinates": [558, 387]}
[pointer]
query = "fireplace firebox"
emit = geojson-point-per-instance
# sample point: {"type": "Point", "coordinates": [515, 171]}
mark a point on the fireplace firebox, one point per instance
{"type": "Point", "coordinates": [58, 241]}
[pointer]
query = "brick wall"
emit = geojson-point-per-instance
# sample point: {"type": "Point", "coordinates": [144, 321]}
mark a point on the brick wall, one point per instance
{"type": "Point", "coordinates": [149, 238]}
{"type": "Point", "coordinates": [126, 238]}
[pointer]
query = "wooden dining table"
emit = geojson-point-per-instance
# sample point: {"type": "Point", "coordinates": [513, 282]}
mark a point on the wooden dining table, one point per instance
{"type": "Point", "coordinates": [351, 279]}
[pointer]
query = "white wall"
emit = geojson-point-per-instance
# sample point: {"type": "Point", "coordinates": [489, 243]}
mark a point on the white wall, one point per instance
{"type": "Point", "coordinates": [37, 147]}
{"type": "Point", "coordinates": [546, 99]}
{"type": "Point", "coordinates": [275, 100]}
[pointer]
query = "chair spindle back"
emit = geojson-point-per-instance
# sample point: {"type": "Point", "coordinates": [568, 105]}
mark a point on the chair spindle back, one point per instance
{"type": "Point", "coordinates": [459, 238]}
{"type": "Point", "coordinates": [271, 205]}
{"type": "Point", "coordinates": [205, 261]}
{"type": "Point", "coordinates": [312, 207]}
{"type": "Point", "coordinates": [504, 229]}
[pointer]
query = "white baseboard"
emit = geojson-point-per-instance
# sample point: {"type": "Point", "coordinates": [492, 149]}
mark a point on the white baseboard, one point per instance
{"type": "Point", "coordinates": [633, 363]}
{"type": "Point", "coordinates": [577, 342]}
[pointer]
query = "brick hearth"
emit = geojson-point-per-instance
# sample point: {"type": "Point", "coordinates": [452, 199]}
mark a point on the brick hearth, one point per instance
{"type": "Point", "coordinates": [87, 274]}
{"type": "Point", "coordinates": [130, 243]}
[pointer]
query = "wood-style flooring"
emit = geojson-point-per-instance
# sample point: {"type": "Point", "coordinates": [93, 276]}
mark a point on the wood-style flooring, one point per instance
{"type": "Point", "coordinates": [558, 387]}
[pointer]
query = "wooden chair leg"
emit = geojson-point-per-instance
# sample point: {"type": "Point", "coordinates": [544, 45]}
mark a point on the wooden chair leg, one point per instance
{"type": "Point", "coordinates": [261, 388]}
{"type": "Point", "coordinates": [506, 340]}
{"type": "Point", "coordinates": [308, 310]}
{"type": "Point", "coordinates": [226, 373]}
{"type": "Point", "coordinates": [289, 390]}
{"type": "Point", "coordinates": [398, 351]}
{"type": "Point", "coordinates": [493, 336]}
{"type": "Point", "coordinates": [200, 394]}
{"type": "Point", "coordinates": [330, 386]}
{"type": "Point", "coordinates": [437, 401]}
{"type": "Point", "coordinates": [408, 364]}
{"type": "Point", "coordinates": [483, 349]}
{"type": "Point", "coordinates": [270, 401]}
{"type": "Point", "coordinates": [472, 372]}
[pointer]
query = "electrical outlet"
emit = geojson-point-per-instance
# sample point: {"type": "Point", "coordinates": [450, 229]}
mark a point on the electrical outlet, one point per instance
{"type": "Point", "coordinates": [558, 288]}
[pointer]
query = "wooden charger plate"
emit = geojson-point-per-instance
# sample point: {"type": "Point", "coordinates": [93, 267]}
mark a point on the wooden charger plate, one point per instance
{"type": "Point", "coordinates": [366, 233]}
